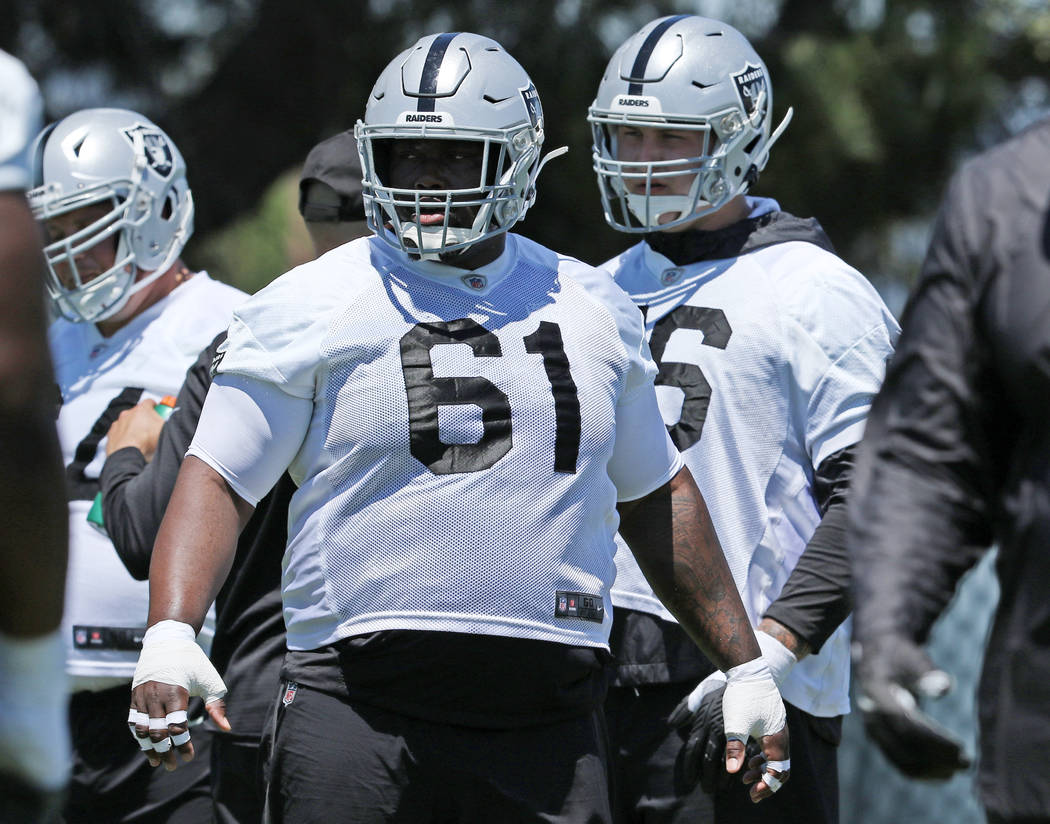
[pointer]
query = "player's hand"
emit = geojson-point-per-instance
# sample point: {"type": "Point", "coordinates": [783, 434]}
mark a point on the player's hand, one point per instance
{"type": "Point", "coordinates": [171, 668]}
{"type": "Point", "coordinates": [752, 708]}
{"type": "Point", "coordinates": [139, 427]}
{"type": "Point", "coordinates": [748, 703]}
{"type": "Point", "coordinates": [892, 673]}
{"type": "Point", "coordinates": [701, 758]}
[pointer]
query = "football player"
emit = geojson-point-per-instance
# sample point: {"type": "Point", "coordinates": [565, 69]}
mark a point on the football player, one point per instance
{"type": "Point", "coordinates": [34, 733]}
{"type": "Point", "coordinates": [769, 349]}
{"type": "Point", "coordinates": [116, 210]}
{"type": "Point", "coordinates": [249, 642]}
{"type": "Point", "coordinates": [447, 397]}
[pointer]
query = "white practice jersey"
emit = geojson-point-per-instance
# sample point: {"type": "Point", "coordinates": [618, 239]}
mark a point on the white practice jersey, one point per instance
{"type": "Point", "coordinates": [768, 364]}
{"type": "Point", "coordinates": [20, 113]}
{"type": "Point", "coordinates": [100, 377]}
{"type": "Point", "coordinates": [456, 461]}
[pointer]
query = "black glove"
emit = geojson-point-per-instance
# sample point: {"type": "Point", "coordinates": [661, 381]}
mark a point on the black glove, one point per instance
{"type": "Point", "coordinates": [892, 673]}
{"type": "Point", "coordinates": [703, 756]}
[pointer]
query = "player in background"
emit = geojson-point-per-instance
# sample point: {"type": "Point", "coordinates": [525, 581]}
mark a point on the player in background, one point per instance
{"type": "Point", "coordinates": [112, 199]}
{"type": "Point", "coordinates": [330, 198]}
{"type": "Point", "coordinates": [956, 458]}
{"type": "Point", "coordinates": [34, 734]}
{"type": "Point", "coordinates": [449, 396]}
{"type": "Point", "coordinates": [144, 454]}
{"type": "Point", "coordinates": [769, 349]}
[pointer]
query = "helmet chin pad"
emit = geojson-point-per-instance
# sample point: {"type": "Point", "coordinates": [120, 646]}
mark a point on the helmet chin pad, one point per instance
{"type": "Point", "coordinates": [431, 242]}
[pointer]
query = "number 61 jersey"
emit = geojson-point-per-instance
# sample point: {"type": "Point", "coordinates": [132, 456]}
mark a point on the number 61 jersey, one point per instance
{"type": "Point", "coordinates": [768, 361]}
{"type": "Point", "coordinates": [99, 377]}
{"type": "Point", "coordinates": [452, 433]}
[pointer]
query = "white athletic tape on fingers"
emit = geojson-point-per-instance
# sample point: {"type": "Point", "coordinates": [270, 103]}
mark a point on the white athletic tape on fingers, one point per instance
{"type": "Point", "coordinates": [162, 746]}
{"type": "Point", "coordinates": [136, 717]}
{"type": "Point", "coordinates": [177, 717]}
{"type": "Point", "coordinates": [181, 738]}
{"type": "Point", "coordinates": [158, 723]}
{"type": "Point", "coordinates": [779, 766]}
{"type": "Point", "coordinates": [772, 781]}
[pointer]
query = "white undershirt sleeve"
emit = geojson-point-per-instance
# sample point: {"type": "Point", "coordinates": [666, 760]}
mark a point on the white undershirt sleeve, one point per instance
{"type": "Point", "coordinates": [249, 432]}
{"type": "Point", "coordinates": [645, 457]}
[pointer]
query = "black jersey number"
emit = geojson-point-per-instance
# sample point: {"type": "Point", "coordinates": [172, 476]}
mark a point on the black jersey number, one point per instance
{"type": "Point", "coordinates": [79, 487]}
{"type": "Point", "coordinates": [688, 376]}
{"type": "Point", "coordinates": [426, 393]}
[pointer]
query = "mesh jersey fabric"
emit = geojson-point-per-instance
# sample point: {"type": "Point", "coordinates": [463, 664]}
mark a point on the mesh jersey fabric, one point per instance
{"type": "Point", "coordinates": [20, 111]}
{"type": "Point", "coordinates": [453, 476]}
{"type": "Point", "coordinates": [99, 377]}
{"type": "Point", "coordinates": [769, 362]}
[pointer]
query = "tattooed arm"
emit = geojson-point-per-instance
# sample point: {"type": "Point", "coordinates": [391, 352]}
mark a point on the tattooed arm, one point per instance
{"type": "Point", "coordinates": [672, 538]}
{"type": "Point", "coordinates": [797, 646]}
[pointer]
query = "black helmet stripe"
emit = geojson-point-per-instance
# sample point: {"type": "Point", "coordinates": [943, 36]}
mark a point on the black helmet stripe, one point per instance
{"type": "Point", "coordinates": [428, 82]}
{"type": "Point", "coordinates": [640, 61]}
{"type": "Point", "coordinates": [38, 154]}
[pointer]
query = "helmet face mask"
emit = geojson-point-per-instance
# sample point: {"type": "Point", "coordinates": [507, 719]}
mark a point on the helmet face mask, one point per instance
{"type": "Point", "coordinates": [688, 74]}
{"type": "Point", "coordinates": [122, 161]}
{"type": "Point", "coordinates": [451, 87]}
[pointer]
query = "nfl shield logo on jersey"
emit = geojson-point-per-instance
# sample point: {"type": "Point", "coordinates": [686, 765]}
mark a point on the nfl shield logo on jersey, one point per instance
{"type": "Point", "coordinates": [475, 281]}
{"type": "Point", "coordinates": [290, 689]}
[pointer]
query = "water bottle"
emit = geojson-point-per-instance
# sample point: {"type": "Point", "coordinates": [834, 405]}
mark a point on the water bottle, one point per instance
{"type": "Point", "coordinates": [163, 408]}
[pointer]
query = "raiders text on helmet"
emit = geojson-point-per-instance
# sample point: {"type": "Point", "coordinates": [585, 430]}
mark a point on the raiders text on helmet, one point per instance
{"type": "Point", "coordinates": [686, 73]}
{"type": "Point", "coordinates": [119, 158]}
{"type": "Point", "coordinates": [452, 86]}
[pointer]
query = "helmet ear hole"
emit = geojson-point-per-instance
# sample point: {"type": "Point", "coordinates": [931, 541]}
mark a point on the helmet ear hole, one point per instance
{"type": "Point", "coordinates": [169, 207]}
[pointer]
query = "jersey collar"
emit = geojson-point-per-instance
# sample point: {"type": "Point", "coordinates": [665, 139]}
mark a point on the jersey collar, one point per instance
{"type": "Point", "coordinates": [478, 281]}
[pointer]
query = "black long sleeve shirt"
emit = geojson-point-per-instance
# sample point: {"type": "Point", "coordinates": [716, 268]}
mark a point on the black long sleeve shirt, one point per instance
{"type": "Point", "coordinates": [249, 642]}
{"type": "Point", "coordinates": [956, 455]}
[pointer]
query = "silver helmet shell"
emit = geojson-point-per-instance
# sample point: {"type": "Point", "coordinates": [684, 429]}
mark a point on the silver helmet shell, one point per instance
{"type": "Point", "coordinates": [120, 158]}
{"type": "Point", "coordinates": [682, 72]}
{"type": "Point", "coordinates": [452, 86]}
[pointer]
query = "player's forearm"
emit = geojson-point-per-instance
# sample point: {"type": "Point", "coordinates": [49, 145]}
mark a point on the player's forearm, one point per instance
{"type": "Point", "coordinates": [671, 535]}
{"type": "Point", "coordinates": [32, 500]}
{"type": "Point", "coordinates": [34, 538]}
{"type": "Point", "coordinates": [195, 546]}
{"type": "Point", "coordinates": [817, 597]}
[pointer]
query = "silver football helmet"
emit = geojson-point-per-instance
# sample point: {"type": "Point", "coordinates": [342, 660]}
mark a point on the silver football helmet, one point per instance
{"type": "Point", "coordinates": [121, 159]}
{"type": "Point", "coordinates": [452, 86]}
{"type": "Point", "coordinates": [686, 73]}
